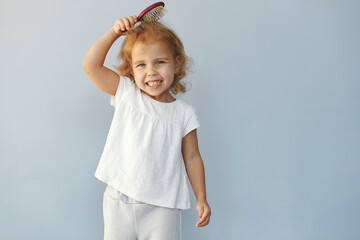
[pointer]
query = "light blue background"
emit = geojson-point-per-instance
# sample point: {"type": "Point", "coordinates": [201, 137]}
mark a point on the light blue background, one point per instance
{"type": "Point", "coordinates": [276, 87]}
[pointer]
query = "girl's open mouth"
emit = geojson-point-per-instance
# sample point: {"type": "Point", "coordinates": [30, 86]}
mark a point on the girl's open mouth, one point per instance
{"type": "Point", "coordinates": [154, 84]}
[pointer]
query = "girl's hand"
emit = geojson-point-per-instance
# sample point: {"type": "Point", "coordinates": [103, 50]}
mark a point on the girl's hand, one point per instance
{"type": "Point", "coordinates": [203, 208]}
{"type": "Point", "coordinates": [123, 25]}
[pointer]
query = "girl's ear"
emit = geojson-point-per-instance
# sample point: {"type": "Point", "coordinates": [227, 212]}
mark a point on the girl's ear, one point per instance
{"type": "Point", "coordinates": [178, 63]}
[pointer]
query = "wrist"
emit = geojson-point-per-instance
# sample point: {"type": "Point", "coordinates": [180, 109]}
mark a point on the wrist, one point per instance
{"type": "Point", "coordinates": [114, 34]}
{"type": "Point", "coordinates": [201, 198]}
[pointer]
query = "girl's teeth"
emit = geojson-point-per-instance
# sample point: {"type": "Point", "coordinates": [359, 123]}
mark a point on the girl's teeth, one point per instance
{"type": "Point", "coordinates": [154, 83]}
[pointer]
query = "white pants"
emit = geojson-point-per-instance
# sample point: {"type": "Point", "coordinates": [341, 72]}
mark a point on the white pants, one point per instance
{"type": "Point", "coordinates": [128, 219]}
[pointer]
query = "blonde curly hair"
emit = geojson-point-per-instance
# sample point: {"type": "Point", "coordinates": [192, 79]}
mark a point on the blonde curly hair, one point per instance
{"type": "Point", "coordinates": [154, 31]}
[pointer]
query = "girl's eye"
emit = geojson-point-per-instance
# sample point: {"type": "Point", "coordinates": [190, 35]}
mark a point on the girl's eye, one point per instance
{"type": "Point", "coordinates": [160, 62]}
{"type": "Point", "coordinates": [141, 65]}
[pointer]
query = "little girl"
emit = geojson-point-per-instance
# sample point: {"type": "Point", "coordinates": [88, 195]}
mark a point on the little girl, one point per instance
{"type": "Point", "coordinates": [152, 143]}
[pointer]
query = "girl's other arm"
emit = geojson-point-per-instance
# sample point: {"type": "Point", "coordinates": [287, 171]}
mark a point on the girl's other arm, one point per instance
{"type": "Point", "coordinates": [93, 63]}
{"type": "Point", "coordinates": [196, 173]}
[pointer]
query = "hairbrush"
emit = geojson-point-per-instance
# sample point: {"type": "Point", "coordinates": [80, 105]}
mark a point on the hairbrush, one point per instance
{"type": "Point", "coordinates": [153, 12]}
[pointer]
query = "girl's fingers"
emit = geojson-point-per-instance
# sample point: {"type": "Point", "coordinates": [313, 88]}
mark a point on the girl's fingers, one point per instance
{"type": "Point", "coordinates": [123, 24]}
{"type": "Point", "coordinates": [133, 19]}
{"type": "Point", "coordinates": [204, 217]}
{"type": "Point", "coordinates": [126, 23]}
{"type": "Point", "coordinates": [118, 26]}
{"type": "Point", "coordinates": [203, 222]}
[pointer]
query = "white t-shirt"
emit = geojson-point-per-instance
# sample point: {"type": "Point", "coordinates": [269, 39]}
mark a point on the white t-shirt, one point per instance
{"type": "Point", "coordinates": [142, 156]}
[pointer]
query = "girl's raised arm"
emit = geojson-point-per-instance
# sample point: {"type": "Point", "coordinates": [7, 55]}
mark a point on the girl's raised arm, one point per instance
{"type": "Point", "coordinates": [93, 63]}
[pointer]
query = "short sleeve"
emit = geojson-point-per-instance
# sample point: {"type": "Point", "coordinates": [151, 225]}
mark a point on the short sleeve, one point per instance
{"type": "Point", "coordinates": [123, 82]}
{"type": "Point", "coordinates": [191, 122]}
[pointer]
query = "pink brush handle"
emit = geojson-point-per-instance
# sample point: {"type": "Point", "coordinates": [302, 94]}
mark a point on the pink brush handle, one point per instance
{"type": "Point", "coordinates": [148, 9]}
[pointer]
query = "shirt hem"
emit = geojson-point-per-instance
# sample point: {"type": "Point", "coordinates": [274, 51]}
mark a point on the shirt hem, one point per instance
{"type": "Point", "coordinates": [143, 199]}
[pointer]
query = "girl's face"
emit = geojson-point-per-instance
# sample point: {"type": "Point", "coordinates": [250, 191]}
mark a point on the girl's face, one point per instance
{"type": "Point", "coordinates": [153, 68]}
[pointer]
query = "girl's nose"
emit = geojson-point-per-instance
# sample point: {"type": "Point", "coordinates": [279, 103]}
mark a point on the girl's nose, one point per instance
{"type": "Point", "coordinates": [152, 72]}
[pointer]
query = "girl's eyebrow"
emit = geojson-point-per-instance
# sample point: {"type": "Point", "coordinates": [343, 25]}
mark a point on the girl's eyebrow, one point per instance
{"type": "Point", "coordinates": [156, 59]}
{"type": "Point", "coordinates": [162, 58]}
{"type": "Point", "coordinates": [137, 62]}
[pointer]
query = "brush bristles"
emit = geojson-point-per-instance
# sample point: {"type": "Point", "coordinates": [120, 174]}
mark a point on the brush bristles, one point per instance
{"type": "Point", "coordinates": [155, 14]}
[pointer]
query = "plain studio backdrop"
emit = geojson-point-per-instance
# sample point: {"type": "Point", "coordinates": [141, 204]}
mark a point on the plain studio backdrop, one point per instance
{"type": "Point", "coordinates": [276, 87]}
